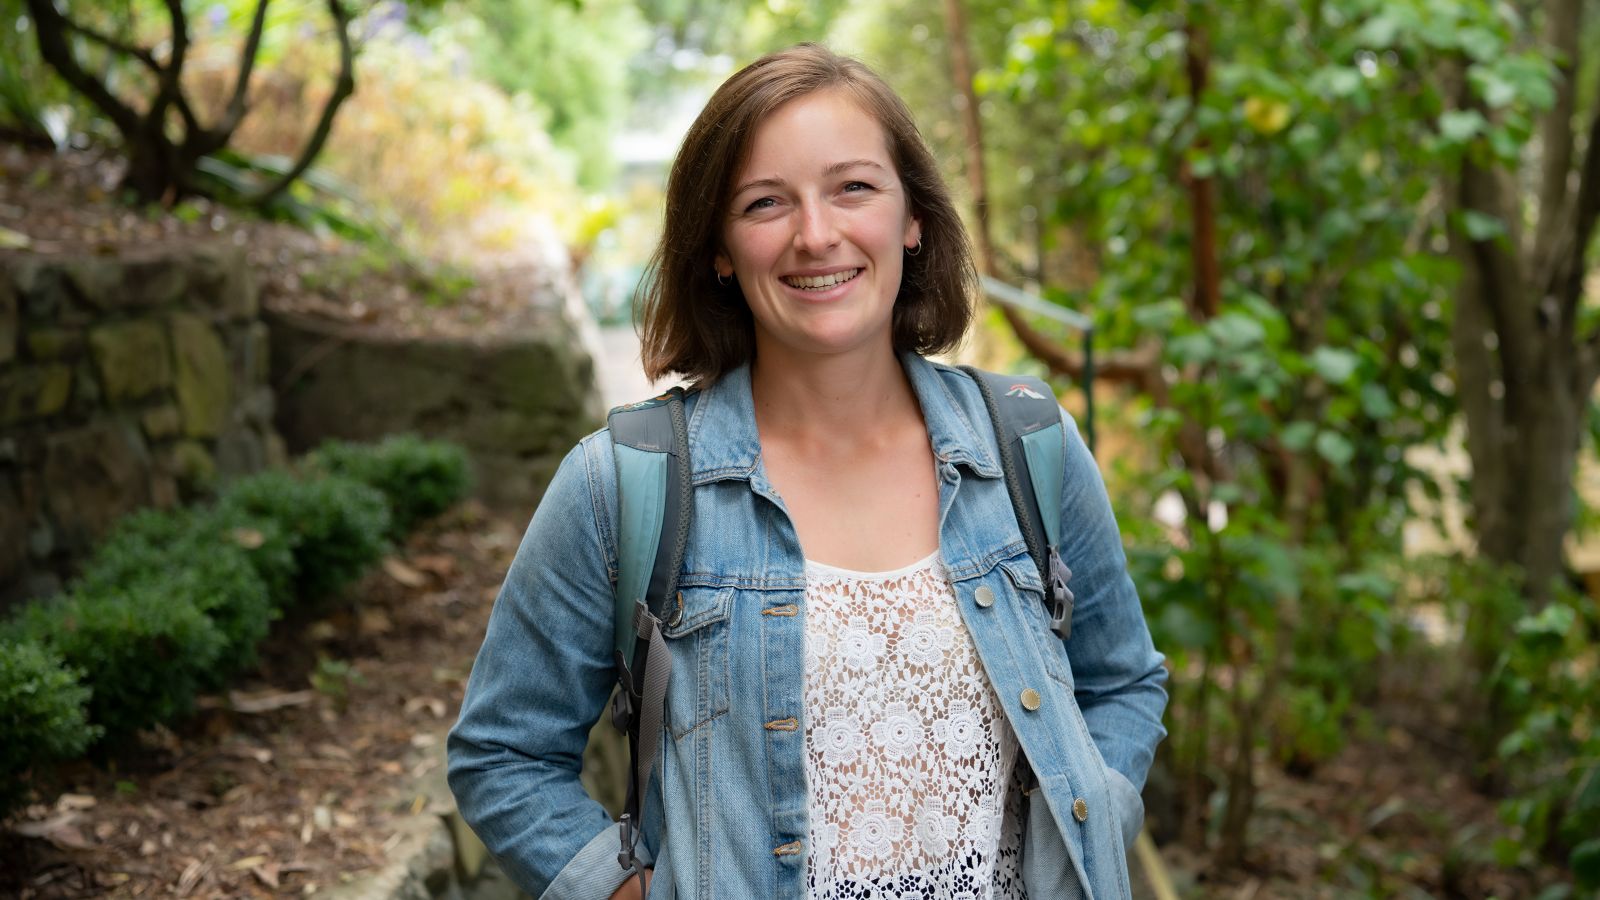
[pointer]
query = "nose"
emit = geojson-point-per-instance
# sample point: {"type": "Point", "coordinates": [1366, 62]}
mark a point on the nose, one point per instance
{"type": "Point", "coordinates": [816, 232]}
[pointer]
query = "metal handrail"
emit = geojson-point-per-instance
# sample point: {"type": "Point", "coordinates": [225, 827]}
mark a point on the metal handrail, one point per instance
{"type": "Point", "coordinates": [1017, 298]}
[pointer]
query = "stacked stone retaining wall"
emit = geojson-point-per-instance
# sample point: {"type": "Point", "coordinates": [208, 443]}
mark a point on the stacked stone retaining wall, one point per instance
{"type": "Point", "coordinates": [125, 381]}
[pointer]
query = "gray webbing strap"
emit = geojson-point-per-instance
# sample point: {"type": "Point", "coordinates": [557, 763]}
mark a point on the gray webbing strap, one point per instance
{"type": "Point", "coordinates": [653, 695]}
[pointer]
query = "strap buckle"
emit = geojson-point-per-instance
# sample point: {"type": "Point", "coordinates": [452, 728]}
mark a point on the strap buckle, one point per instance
{"type": "Point", "coordinates": [1061, 599]}
{"type": "Point", "coordinates": [627, 858]}
{"type": "Point", "coordinates": [623, 707]}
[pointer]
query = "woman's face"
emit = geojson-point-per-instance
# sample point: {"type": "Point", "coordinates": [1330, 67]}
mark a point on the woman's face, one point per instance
{"type": "Point", "coordinates": [817, 229]}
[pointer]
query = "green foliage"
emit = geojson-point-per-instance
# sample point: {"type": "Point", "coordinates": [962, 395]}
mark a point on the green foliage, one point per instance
{"type": "Point", "coordinates": [333, 679]}
{"type": "Point", "coordinates": [570, 59]}
{"type": "Point", "coordinates": [419, 478]}
{"type": "Point", "coordinates": [41, 713]}
{"type": "Point", "coordinates": [145, 650]}
{"type": "Point", "coordinates": [335, 526]}
{"type": "Point", "coordinates": [1546, 684]}
{"type": "Point", "coordinates": [1323, 133]}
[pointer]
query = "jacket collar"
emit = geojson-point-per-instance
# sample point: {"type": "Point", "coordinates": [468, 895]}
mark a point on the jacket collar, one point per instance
{"type": "Point", "coordinates": [722, 425]}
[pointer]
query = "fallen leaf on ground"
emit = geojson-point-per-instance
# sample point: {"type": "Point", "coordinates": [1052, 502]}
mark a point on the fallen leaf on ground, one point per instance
{"type": "Point", "coordinates": [267, 701]}
{"type": "Point", "coordinates": [438, 564]}
{"type": "Point", "coordinates": [266, 873]}
{"type": "Point", "coordinates": [403, 573]}
{"type": "Point", "coordinates": [246, 863]}
{"type": "Point", "coordinates": [433, 705]}
{"type": "Point", "coordinates": [191, 876]}
{"type": "Point", "coordinates": [75, 801]}
{"type": "Point", "coordinates": [375, 622]}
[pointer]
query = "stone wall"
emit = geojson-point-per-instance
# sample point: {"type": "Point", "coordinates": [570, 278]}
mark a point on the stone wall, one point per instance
{"type": "Point", "coordinates": [517, 402]}
{"type": "Point", "coordinates": [127, 381]}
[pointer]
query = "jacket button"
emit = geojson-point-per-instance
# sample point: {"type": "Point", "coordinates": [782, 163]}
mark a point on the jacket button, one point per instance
{"type": "Point", "coordinates": [984, 597]}
{"type": "Point", "coordinates": [1030, 699]}
{"type": "Point", "coordinates": [1080, 809]}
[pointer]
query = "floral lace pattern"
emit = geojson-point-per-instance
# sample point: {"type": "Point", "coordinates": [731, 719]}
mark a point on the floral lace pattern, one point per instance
{"type": "Point", "coordinates": [909, 757]}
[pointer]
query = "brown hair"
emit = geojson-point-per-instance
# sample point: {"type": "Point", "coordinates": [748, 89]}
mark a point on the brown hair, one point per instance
{"type": "Point", "coordinates": [694, 326]}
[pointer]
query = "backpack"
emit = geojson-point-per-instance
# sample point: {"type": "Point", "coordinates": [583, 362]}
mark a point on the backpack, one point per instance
{"type": "Point", "coordinates": [651, 445]}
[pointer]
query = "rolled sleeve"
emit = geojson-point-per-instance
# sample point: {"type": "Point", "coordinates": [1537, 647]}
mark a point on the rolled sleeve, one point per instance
{"type": "Point", "coordinates": [1117, 672]}
{"type": "Point", "coordinates": [539, 683]}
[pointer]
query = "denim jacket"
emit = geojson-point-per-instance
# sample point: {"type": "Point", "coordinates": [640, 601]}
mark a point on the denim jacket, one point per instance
{"type": "Point", "coordinates": [725, 815]}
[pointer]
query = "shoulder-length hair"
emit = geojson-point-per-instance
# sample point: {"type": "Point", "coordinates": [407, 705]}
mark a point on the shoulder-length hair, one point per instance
{"type": "Point", "coordinates": [694, 326]}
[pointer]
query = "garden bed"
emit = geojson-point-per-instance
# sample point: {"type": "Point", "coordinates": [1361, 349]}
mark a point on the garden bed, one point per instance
{"type": "Point", "coordinates": [288, 784]}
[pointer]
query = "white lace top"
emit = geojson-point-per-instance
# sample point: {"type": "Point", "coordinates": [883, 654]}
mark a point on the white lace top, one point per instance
{"type": "Point", "coordinates": [909, 757]}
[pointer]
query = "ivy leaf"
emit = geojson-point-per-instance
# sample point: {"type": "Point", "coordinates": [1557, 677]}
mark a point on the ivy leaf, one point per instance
{"type": "Point", "coordinates": [1334, 365]}
{"type": "Point", "coordinates": [1480, 43]}
{"type": "Point", "coordinates": [1297, 435]}
{"type": "Point", "coordinates": [1375, 402]}
{"type": "Point", "coordinates": [1335, 448]}
{"type": "Point", "coordinates": [1585, 862]}
{"type": "Point", "coordinates": [1481, 226]}
{"type": "Point", "coordinates": [1159, 316]}
{"type": "Point", "coordinates": [1459, 126]}
{"type": "Point", "coordinates": [1265, 115]}
{"type": "Point", "coordinates": [1236, 331]}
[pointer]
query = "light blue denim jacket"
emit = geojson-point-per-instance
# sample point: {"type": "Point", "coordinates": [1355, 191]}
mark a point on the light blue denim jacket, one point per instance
{"type": "Point", "coordinates": [726, 813]}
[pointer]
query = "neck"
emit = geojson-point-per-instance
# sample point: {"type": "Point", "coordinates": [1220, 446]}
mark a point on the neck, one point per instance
{"type": "Point", "coordinates": [838, 397]}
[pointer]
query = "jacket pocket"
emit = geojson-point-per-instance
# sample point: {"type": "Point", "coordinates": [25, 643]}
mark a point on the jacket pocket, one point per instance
{"type": "Point", "coordinates": [1024, 577]}
{"type": "Point", "coordinates": [696, 630]}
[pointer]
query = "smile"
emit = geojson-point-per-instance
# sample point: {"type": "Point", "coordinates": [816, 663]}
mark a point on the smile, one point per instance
{"type": "Point", "coordinates": [820, 282]}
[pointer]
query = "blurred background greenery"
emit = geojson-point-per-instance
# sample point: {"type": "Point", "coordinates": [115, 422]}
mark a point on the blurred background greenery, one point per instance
{"type": "Point", "coordinates": [1337, 254]}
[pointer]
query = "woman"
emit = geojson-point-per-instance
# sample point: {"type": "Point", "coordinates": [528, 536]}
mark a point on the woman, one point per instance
{"type": "Point", "coordinates": [866, 698]}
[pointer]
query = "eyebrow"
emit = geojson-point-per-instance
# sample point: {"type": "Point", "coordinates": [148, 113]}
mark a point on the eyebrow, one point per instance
{"type": "Point", "coordinates": [832, 169]}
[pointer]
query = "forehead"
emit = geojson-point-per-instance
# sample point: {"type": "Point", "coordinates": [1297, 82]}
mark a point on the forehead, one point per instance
{"type": "Point", "coordinates": [816, 129]}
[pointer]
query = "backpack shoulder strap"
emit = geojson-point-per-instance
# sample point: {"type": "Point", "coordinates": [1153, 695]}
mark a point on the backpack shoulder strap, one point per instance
{"type": "Point", "coordinates": [651, 446]}
{"type": "Point", "coordinates": [650, 441]}
{"type": "Point", "coordinates": [1027, 423]}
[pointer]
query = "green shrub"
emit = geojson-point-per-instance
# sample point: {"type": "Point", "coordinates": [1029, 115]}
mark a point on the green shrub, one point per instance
{"type": "Point", "coordinates": [335, 526]}
{"type": "Point", "coordinates": [145, 650]}
{"type": "Point", "coordinates": [420, 478]}
{"type": "Point", "coordinates": [197, 561]}
{"type": "Point", "coordinates": [42, 713]}
{"type": "Point", "coordinates": [1544, 681]}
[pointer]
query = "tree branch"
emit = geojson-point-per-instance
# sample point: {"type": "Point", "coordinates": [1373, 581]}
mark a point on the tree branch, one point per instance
{"type": "Point", "coordinates": [1207, 300]}
{"type": "Point", "coordinates": [247, 64]}
{"type": "Point", "coordinates": [972, 124]}
{"type": "Point", "coordinates": [1586, 213]}
{"type": "Point", "coordinates": [50, 28]}
{"type": "Point", "coordinates": [110, 43]}
{"type": "Point", "coordinates": [170, 87]}
{"type": "Point", "coordinates": [343, 87]}
{"type": "Point", "coordinates": [1563, 23]}
{"type": "Point", "coordinates": [1136, 368]}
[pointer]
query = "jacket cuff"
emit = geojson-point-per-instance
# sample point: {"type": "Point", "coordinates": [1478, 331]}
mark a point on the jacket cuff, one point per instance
{"type": "Point", "coordinates": [594, 873]}
{"type": "Point", "coordinates": [1130, 807]}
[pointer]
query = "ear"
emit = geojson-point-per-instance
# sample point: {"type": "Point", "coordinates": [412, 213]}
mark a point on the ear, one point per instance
{"type": "Point", "coordinates": [723, 265]}
{"type": "Point", "coordinates": [913, 233]}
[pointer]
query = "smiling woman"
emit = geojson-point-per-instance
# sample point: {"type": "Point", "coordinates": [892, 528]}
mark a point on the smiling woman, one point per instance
{"type": "Point", "coordinates": [866, 697]}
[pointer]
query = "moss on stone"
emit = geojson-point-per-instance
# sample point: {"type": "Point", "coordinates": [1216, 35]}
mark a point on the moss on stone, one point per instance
{"type": "Point", "coordinates": [202, 375]}
{"type": "Point", "coordinates": [132, 359]}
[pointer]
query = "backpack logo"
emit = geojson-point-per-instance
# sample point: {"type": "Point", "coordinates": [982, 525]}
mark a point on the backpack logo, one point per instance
{"type": "Point", "coordinates": [1022, 390]}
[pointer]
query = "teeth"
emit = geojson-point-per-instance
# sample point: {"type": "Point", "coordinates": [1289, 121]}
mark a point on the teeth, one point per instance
{"type": "Point", "coordinates": [821, 281]}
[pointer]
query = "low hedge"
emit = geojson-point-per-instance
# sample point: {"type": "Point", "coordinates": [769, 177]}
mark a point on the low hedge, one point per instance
{"type": "Point", "coordinates": [336, 527]}
{"type": "Point", "coordinates": [419, 478]}
{"type": "Point", "coordinates": [42, 713]}
{"type": "Point", "coordinates": [175, 602]}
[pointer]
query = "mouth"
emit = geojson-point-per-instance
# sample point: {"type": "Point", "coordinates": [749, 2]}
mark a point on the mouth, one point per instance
{"type": "Point", "coordinates": [820, 282]}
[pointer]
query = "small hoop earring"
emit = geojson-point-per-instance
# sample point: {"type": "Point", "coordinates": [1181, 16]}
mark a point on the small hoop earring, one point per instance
{"type": "Point", "coordinates": [911, 252]}
{"type": "Point", "coordinates": [724, 280]}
